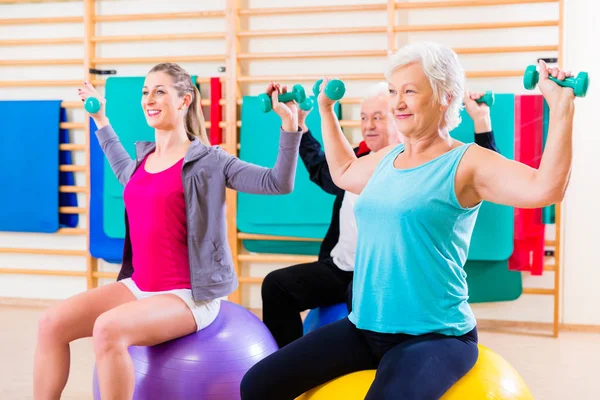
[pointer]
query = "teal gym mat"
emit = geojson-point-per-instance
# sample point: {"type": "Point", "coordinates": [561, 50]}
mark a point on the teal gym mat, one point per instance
{"type": "Point", "coordinates": [492, 238]}
{"type": "Point", "coordinates": [492, 281]}
{"type": "Point", "coordinates": [306, 212]}
{"type": "Point", "coordinates": [124, 110]}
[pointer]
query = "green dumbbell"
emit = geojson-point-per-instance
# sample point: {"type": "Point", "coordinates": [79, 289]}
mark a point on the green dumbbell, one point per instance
{"type": "Point", "coordinates": [307, 104]}
{"type": "Point", "coordinates": [579, 84]}
{"type": "Point", "coordinates": [335, 89]}
{"type": "Point", "coordinates": [488, 98]}
{"type": "Point", "coordinates": [297, 94]}
{"type": "Point", "coordinates": [92, 105]}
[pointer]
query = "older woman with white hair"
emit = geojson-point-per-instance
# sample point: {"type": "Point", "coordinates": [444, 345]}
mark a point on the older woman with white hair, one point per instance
{"type": "Point", "coordinates": [416, 211]}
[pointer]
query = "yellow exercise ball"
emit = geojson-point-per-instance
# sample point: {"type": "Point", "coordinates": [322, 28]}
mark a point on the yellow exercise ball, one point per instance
{"type": "Point", "coordinates": [491, 378]}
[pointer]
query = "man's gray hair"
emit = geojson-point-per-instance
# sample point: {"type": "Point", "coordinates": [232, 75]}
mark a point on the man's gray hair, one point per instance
{"type": "Point", "coordinates": [376, 90]}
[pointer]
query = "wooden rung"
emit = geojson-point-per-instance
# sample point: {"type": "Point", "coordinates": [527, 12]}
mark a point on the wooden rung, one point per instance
{"type": "Point", "coordinates": [550, 243]}
{"type": "Point", "coordinates": [463, 3]}
{"type": "Point", "coordinates": [161, 16]}
{"type": "Point", "coordinates": [284, 78]}
{"type": "Point", "coordinates": [493, 74]}
{"type": "Point", "coordinates": [539, 291]}
{"type": "Point", "coordinates": [144, 60]}
{"type": "Point", "coordinates": [72, 210]}
{"type": "Point", "coordinates": [72, 125]}
{"type": "Point", "coordinates": [348, 123]}
{"type": "Point", "coordinates": [316, 54]}
{"type": "Point", "coordinates": [18, 271]}
{"type": "Point", "coordinates": [344, 100]}
{"type": "Point", "coordinates": [47, 20]}
{"type": "Point", "coordinates": [312, 31]}
{"type": "Point", "coordinates": [73, 189]}
{"type": "Point", "coordinates": [381, 7]}
{"type": "Point", "coordinates": [72, 168]}
{"type": "Point", "coordinates": [383, 53]}
{"type": "Point", "coordinates": [102, 82]}
{"type": "Point", "coordinates": [71, 104]}
{"type": "Point", "coordinates": [40, 83]}
{"type": "Point", "coordinates": [71, 231]}
{"type": "Point", "coordinates": [110, 275]}
{"type": "Point", "coordinates": [28, 63]}
{"type": "Point", "coordinates": [549, 267]}
{"type": "Point", "coordinates": [72, 147]}
{"type": "Point", "coordinates": [478, 26]}
{"type": "Point", "coordinates": [351, 100]}
{"type": "Point", "coordinates": [253, 236]}
{"type": "Point", "coordinates": [277, 258]}
{"type": "Point", "coordinates": [205, 102]}
{"type": "Point", "coordinates": [55, 252]}
{"type": "Point", "coordinates": [508, 49]}
{"type": "Point", "coordinates": [312, 10]}
{"type": "Point", "coordinates": [28, 42]}
{"type": "Point", "coordinates": [250, 279]}
{"type": "Point", "coordinates": [222, 124]}
{"type": "Point", "coordinates": [160, 37]}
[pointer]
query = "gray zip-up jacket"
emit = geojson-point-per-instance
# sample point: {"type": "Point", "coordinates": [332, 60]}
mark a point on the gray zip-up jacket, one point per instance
{"type": "Point", "coordinates": [206, 173]}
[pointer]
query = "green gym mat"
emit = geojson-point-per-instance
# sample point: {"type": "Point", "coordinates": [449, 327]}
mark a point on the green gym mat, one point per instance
{"type": "Point", "coordinates": [306, 212]}
{"type": "Point", "coordinates": [492, 281]}
{"type": "Point", "coordinates": [548, 213]}
{"type": "Point", "coordinates": [124, 110]}
{"type": "Point", "coordinates": [492, 238]}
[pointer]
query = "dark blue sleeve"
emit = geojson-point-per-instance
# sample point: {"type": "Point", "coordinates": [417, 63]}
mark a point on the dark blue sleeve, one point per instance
{"type": "Point", "coordinates": [486, 139]}
{"type": "Point", "coordinates": [315, 162]}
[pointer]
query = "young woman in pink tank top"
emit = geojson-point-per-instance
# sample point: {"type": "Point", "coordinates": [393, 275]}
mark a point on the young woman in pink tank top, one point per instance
{"type": "Point", "coordinates": [176, 257]}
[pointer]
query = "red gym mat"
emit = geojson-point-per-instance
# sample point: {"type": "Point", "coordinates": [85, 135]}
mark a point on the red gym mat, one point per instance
{"type": "Point", "coordinates": [216, 111]}
{"type": "Point", "coordinates": [528, 254]}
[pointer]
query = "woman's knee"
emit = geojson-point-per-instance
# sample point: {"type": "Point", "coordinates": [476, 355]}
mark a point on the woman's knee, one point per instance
{"type": "Point", "coordinates": [255, 383]}
{"type": "Point", "coordinates": [107, 334]}
{"type": "Point", "coordinates": [53, 325]}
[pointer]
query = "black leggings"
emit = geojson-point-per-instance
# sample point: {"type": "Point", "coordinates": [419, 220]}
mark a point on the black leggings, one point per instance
{"type": "Point", "coordinates": [408, 367]}
{"type": "Point", "coordinates": [288, 291]}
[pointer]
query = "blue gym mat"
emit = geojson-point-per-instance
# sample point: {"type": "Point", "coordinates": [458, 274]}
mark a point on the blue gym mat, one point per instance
{"type": "Point", "coordinates": [306, 212]}
{"type": "Point", "coordinates": [101, 246]}
{"type": "Point", "coordinates": [29, 159]}
{"type": "Point", "coordinates": [493, 235]}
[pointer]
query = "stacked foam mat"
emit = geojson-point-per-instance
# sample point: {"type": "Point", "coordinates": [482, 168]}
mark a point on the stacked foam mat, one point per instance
{"type": "Point", "coordinates": [504, 241]}
{"type": "Point", "coordinates": [29, 168]}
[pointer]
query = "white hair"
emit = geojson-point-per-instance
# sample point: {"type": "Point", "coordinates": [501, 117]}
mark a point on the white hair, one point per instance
{"type": "Point", "coordinates": [446, 75]}
{"type": "Point", "coordinates": [376, 90]}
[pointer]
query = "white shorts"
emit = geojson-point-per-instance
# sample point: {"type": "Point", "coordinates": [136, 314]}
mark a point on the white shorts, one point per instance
{"type": "Point", "coordinates": [205, 312]}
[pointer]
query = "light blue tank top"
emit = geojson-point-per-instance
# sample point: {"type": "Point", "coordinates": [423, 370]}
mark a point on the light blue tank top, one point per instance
{"type": "Point", "coordinates": [413, 241]}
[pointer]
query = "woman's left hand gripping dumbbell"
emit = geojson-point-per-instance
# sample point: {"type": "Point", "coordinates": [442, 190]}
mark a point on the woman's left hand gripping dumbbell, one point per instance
{"type": "Point", "coordinates": [94, 103]}
{"type": "Point", "coordinates": [288, 112]}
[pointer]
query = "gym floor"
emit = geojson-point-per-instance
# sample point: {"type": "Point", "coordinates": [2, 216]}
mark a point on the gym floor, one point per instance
{"type": "Point", "coordinates": [554, 369]}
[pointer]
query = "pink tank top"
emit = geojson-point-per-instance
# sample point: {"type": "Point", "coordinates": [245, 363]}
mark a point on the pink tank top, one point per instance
{"type": "Point", "coordinates": [155, 205]}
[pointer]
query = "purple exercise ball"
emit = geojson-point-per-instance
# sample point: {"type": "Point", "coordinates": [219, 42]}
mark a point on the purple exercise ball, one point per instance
{"type": "Point", "coordinates": [208, 364]}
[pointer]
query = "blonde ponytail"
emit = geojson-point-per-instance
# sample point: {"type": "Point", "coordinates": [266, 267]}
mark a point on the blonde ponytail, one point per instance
{"type": "Point", "coordinates": [194, 120]}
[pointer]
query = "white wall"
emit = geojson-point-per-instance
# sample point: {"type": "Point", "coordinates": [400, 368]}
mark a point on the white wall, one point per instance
{"type": "Point", "coordinates": [579, 273]}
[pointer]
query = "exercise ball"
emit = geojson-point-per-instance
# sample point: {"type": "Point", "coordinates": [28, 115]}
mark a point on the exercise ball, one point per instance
{"type": "Point", "coordinates": [208, 364]}
{"type": "Point", "coordinates": [492, 378]}
{"type": "Point", "coordinates": [320, 316]}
